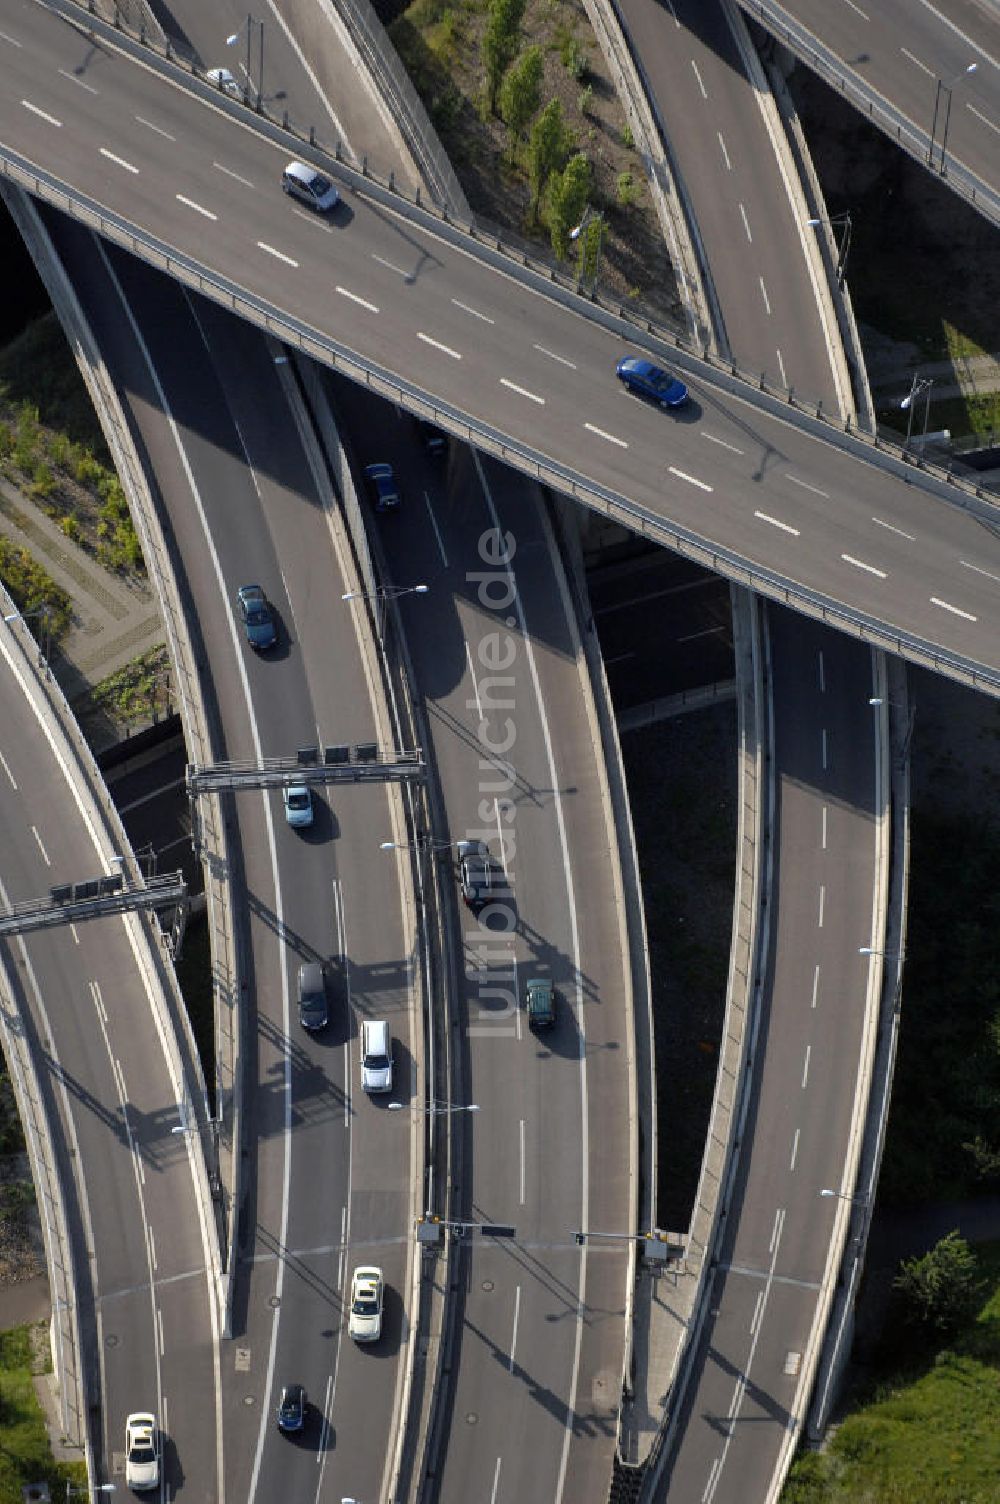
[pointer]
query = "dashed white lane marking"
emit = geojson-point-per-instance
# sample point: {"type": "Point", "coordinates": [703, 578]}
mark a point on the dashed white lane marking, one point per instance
{"type": "Point", "coordinates": [891, 528]}
{"type": "Point", "coordinates": [856, 9]}
{"type": "Point", "coordinates": [475, 685]}
{"type": "Point", "coordinates": [815, 995]}
{"type": "Point", "coordinates": [437, 530]}
{"type": "Point", "coordinates": [704, 93]}
{"type": "Point", "coordinates": [806, 486]}
{"type": "Point", "coordinates": [781, 367]}
{"type": "Point", "coordinates": [6, 767]}
{"type": "Point", "coordinates": [822, 673]}
{"type": "Point", "coordinates": [79, 82]}
{"type": "Point", "coordinates": [916, 61]}
{"type": "Point", "coordinates": [522, 1161]}
{"type": "Point", "coordinates": [692, 480]}
{"type": "Point", "coordinates": [779, 1223]}
{"type": "Point", "coordinates": [725, 154]}
{"type": "Point", "coordinates": [795, 1150]}
{"type": "Point", "coordinates": [763, 290]}
{"type": "Point", "coordinates": [755, 1318]}
{"type": "Point", "coordinates": [437, 345]}
{"type": "Point", "coordinates": [553, 356]}
{"type": "Point", "coordinates": [189, 203]}
{"type": "Point", "coordinates": [822, 904]}
{"type": "Point", "coordinates": [786, 527]}
{"type": "Point", "coordinates": [805, 1066]}
{"type": "Point", "coordinates": [278, 255]}
{"type": "Point", "coordinates": [141, 120]}
{"type": "Point", "coordinates": [42, 114]}
{"type": "Point", "coordinates": [227, 170]}
{"type": "Point", "coordinates": [823, 830]}
{"type": "Point", "coordinates": [687, 637]}
{"type": "Point", "coordinates": [474, 311]}
{"type": "Point", "coordinates": [978, 569]}
{"type": "Point", "coordinates": [824, 746]}
{"type": "Point", "coordinates": [15, 43]}
{"type": "Point", "coordinates": [362, 302]}
{"type": "Point", "coordinates": [984, 118]}
{"type": "Point", "coordinates": [119, 161]}
{"type": "Point", "coordinates": [860, 564]}
{"type": "Point", "coordinates": [746, 223]}
{"type": "Point", "coordinates": [670, 8]}
{"type": "Point", "coordinates": [955, 610]}
{"type": "Point", "coordinates": [390, 265]}
{"type": "Point", "coordinates": [45, 855]}
{"type": "Point", "coordinates": [522, 391]}
{"type": "Point", "coordinates": [513, 1339]}
{"type": "Point", "coordinates": [602, 434]}
{"type": "Point", "coordinates": [722, 443]}
{"type": "Point", "coordinates": [496, 1483]}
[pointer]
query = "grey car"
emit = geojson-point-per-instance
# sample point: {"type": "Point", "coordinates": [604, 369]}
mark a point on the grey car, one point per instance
{"type": "Point", "coordinates": [311, 993]}
{"type": "Point", "coordinates": [310, 187]}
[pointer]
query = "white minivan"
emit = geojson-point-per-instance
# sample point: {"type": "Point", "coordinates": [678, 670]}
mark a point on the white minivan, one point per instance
{"type": "Point", "coordinates": [376, 1055]}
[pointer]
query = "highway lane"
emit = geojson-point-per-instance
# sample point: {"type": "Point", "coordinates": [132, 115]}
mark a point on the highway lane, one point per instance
{"type": "Point", "coordinates": [777, 495]}
{"type": "Point", "coordinates": [533, 1411]}
{"type": "Point", "coordinates": [265, 521]}
{"type": "Point", "coordinates": [751, 223]}
{"type": "Point", "coordinates": [772, 1262]}
{"type": "Point", "coordinates": [898, 52]}
{"type": "Point", "coordinates": [309, 73]}
{"type": "Point", "coordinates": [147, 1300]}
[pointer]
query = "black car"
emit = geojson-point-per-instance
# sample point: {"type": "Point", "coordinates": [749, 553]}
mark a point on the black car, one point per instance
{"type": "Point", "coordinates": [257, 616]}
{"type": "Point", "coordinates": [475, 874]}
{"type": "Point", "coordinates": [311, 991]}
{"type": "Point", "coordinates": [382, 487]}
{"type": "Point", "coordinates": [434, 439]}
{"type": "Point", "coordinates": [292, 1408]}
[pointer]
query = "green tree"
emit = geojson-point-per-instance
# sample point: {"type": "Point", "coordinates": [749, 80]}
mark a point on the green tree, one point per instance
{"type": "Point", "coordinates": [941, 1289]}
{"type": "Point", "coordinates": [521, 91]}
{"type": "Point", "coordinates": [546, 149]}
{"type": "Point", "coordinates": [501, 38]}
{"type": "Point", "coordinates": [567, 201]}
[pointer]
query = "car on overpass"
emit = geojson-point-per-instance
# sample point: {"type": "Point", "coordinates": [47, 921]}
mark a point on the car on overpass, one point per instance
{"type": "Point", "coordinates": [142, 1452]}
{"type": "Point", "coordinates": [311, 995]}
{"type": "Point", "coordinates": [475, 874]}
{"type": "Point", "coordinates": [540, 1004]}
{"type": "Point", "coordinates": [257, 617]}
{"type": "Point", "coordinates": [298, 802]}
{"type": "Point", "coordinates": [292, 1408]}
{"type": "Point", "coordinates": [367, 1292]}
{"type": "Point", "coordinates": [644, 379]}
{"type": "Point", "coordinates": [310, 187]}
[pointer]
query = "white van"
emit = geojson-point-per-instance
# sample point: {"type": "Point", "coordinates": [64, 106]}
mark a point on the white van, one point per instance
{"type": "Point", "coordinates": [376, 1055]}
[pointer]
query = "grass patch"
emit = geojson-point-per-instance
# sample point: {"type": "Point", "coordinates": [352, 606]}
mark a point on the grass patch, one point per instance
{"type": "Point", "coordinates": [132, 694]}
{"type": "Point", "coordinates": [52, 448]}
{"type": "Point", "coordinates": [34, 590]}
{"type": "Point", "coordinates": [926, 1433]}
{"type": "Point", "coordinates": [25, 1456]}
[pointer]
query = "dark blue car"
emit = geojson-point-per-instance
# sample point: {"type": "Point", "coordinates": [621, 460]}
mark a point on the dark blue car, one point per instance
{"type": "Point", "coordinates": [647, 380]}
{"type": "Point", "coordinates": [292, 1408]}
{"type": "Point", "coordinates": [257, 617]}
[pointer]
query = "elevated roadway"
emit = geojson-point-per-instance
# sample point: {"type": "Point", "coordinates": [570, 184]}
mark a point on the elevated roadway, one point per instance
{"type": "Point", "coordinates": [927, 74]}
{"type": "Point", "coordinates": [243, 503]}
{"type": "Point", "coordinates": [752, 488]}
{"type": "Point", "coordinates": [84, 997]}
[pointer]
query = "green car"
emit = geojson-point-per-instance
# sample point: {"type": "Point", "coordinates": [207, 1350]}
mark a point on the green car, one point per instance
{"type": "Point", "coordinates": [541, 1004]}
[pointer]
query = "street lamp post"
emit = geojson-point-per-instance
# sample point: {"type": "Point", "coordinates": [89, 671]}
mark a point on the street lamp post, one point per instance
{"type": "Point", "coordinates": [87, 1491]}
{"type": "Point", "coordinates": [231, 41]}
{"type": "Point", "coordinates": [908, 404]}
{"type": "Point", "coordinates": [945, 87]}
{"type": "Point", "coordinates": [435, 1109]}
{"type": "Point", "coordinates": [842, 222]}
{"type": "Point", "coordinates": [590, 216]}
{"type": "Point", "coordinates": [877, 700]}
{"type": "Point", "coordinates": [843, 1196]}
{"type": "Point", "coordinates": [44, 613]}
{"type": "Point", "coordinates": [379, 596]}
{"type": "Point", "coordinates": [420, 842]}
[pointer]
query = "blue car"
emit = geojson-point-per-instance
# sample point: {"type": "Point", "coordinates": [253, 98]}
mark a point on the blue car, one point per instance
{"type": "Point", "coordinates": [257, 617]}
{"type": "Point", "coordinates": [647, 380]}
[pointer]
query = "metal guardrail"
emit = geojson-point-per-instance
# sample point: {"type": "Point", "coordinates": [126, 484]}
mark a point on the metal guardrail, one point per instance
{"type": "Point", "coordinates": [916, 142]}
{"type": "Point", "coordinates": [71, 904]}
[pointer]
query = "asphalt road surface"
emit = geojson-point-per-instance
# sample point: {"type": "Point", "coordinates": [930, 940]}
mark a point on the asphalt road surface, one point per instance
{"type": "Point", "coordinates": [474, 339]}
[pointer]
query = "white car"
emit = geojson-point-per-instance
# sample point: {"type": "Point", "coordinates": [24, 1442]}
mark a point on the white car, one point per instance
{"type": "Point", "coordinates": [142, 1452]}
{"type": "Point", "coordinates": [222, 79]}
{"type": "Point", "coordinates": [309, 187]}
{"type": "Point", "coordinates": [367, 1289]}
{"type": "Point", "coordinates": [298, 805]}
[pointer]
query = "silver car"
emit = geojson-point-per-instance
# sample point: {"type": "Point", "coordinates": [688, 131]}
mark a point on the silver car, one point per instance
{"type": "Point", "coordinates": [309, 186]}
